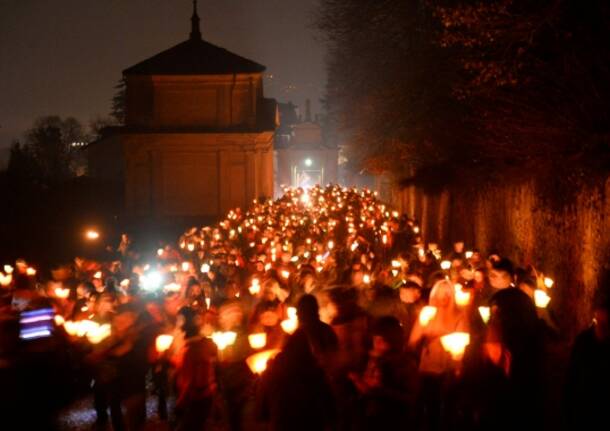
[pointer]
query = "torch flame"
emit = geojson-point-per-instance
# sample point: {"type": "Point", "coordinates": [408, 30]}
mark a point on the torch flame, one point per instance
{"type": "Point", "coordinates": [455, 344]}
{"type": "Point", "coordinates": [427, 314]}
{"type": "Point", "coordinates": [258, 362]}
{"type": "Point", "coordinates": [163, 342]}
{"type": "Point", "coordinates": [257, 341]}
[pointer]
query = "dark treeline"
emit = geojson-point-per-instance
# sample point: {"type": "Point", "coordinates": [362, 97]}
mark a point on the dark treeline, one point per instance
{"type": "Point", "coordinates": [445, 90]}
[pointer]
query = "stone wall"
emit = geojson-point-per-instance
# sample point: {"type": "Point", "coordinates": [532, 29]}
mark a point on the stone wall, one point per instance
{"type": "Point", "coordinates": [570, 243]}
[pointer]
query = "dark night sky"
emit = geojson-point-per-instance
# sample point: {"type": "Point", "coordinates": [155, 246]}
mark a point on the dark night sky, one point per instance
{"type": "Point", "coordinates": [64, 56]}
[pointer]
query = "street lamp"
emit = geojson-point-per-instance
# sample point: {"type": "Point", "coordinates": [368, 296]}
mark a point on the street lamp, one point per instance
{"type": "Point", "coordinates": [92, 234]}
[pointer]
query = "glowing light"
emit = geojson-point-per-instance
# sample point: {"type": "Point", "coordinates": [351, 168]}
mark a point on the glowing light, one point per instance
{"type": "Point", "coordinates": [285, 274]}
{"type": "Point", "coordinates": [541, 298]}
{"type": "Point", "coordinates": [366, 279]}
{"type": "Point", "coordinates": [416, 229]}
{"type": "Point", "coordinates": [151, 281]}
{"type": "Point", "coordinates": [445, 265]}
{"type": "Point", "coordinates": [98, 333]}
{"type": "Point", "coordinates": [224, 339]}
{"type": "Point", "coordinates": [455, 344]}
{"type": "Point", "coordinates": [396, 264]}
{"type": "Point", "coordinates": [308, 162]}
{"type": "Point", "coordinates": [62, 293]}
{"type": "Point", "coordinates": [257, 341]}
{"type": "Point", "coordinates": [289, 325]}
{"type": "Point", "coordinates": [190, 246]}
{"type": "Point", "coordinates": [186, 266]}
{"type": "Point", "coordinates": [330, 245]}
{"type": "Point", "coordinates": [5, 280]}
{"type": "Point", "coordinates": [292, 313]}
{"type": "Point", "coordinates": [98, 275]}
{"type": "Point", "coordinates": [548, 282]}
{"type": "Point", "coordinates": [92, 234]}
{"type": "Point", "coordinates": [8, 269]}
{"type": "Point", "coordinates": [258, 362]}
{"type": "Point", "coordinates": [426, 315]}
{"type": "Point", "coordinates": [469, 254]}
{"type": "Point", "coordinates": [205, 268]}
{"type": "Point", "coordinates": [462, 297]}
{"type": "Point", "coordinates": [163, 342]}
{"type": "Point", "coordinates": [59, 320]}
{"type": "Point", "coordinates": [30, 271]}
{"type": "Point", "coordinates": [485, 313]}
{"type": "Point", "coordinates": [160, 252]}
{"type": "Point", "coordinates": [255, 287]}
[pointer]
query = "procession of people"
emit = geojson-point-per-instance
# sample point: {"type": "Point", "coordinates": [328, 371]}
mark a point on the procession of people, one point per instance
{"type": "Point", "coordinates": [320, 310]}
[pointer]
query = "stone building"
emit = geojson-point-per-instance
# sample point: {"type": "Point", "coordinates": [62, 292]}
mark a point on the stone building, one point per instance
{"type": "Point", "coordinates": [198, 133]}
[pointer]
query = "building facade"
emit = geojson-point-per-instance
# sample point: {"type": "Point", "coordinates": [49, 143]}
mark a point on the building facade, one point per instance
{"type": "Point", "coordinates": [198, 133]}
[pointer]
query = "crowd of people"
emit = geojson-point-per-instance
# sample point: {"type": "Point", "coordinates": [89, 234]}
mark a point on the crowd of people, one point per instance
{"type": "Point", "coordinates": [320, 310]}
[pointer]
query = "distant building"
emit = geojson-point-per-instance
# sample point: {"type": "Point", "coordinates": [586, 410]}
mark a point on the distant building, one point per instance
{"type": "Point", "coordinates": [198, 134]}
{"type": "Point", "coordinates": [303, 157]}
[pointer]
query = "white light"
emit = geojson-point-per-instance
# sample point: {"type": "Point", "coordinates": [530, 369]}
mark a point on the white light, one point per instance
{"type": "Point", "coordinates": [92, 234]}
{"type": "Point", "coordinates": [257, 341]}
{"type": "Point", "coordinates": [485, 313]}
{"type": "Point", "coordinates": [426, 315]}
{"type": "Point", "coordinates": [541, 298]}
{"type": "Point", "coordinates": [455, 343]}
{"type": "Point", "coordinates": [151, 281]}
{"type": "Point", "coordinates": [445, 265]}
{"type": "Point", "coordinates": [548, 282]}
{"type": "Point", "coordinates": [308, 162]}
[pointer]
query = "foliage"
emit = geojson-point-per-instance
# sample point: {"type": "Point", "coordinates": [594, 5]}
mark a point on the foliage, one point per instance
{"type": "Point", "coordinates": [117, 111]}
{"type": "Point", "coordinates": [471, 88]}
{"type": "Point", "coordinates": [48, 155]}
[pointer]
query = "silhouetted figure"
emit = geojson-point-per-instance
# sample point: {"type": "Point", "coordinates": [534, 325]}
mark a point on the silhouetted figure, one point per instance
{"type": "Point", "coordinates": [588, 380]}
{"type": "Point", "coordinates": [322, 338]}
{"type": "Point", "coordinates": [508, 382]}
{"type": "Point", "coordinates": [295, 394]}
{"type": "Point", "coordinates": [386, 386]}
{"type": "Point", "coordinates": [195, 375]}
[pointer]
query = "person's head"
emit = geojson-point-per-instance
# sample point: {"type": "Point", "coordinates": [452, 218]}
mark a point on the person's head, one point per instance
{"type": "Point", "coordinates": [124, 321]}
{"type": "Point", "coordinates": [188, 321]}
{"type": "Point", "coordinates": [269, 315]}
{"type": "Point", "coordinates": [193, 288]}
{"type": "Point", "coordinates": [105, 304]}
{"type": "Point", "coordinates": [410, 292]}
{"type": "Point", "coordinates": [501, 274]}
{"type": "Point", "coordinates": [111, 285]}
{"type": "Point", "coordinates": [442, 295]}
{"type": "Point", "coordinates": [458, 247]}
{"type": "Point", "coordinates": [307, 309]}
{"type": "Point", "coordinates": [388, 336]}
{"type": "Point", "coordinates": [83, 290]}
{"type": "Point", "coordinates": [528, 286]}
{"type": "Point", "coordinates": [479, 275]}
